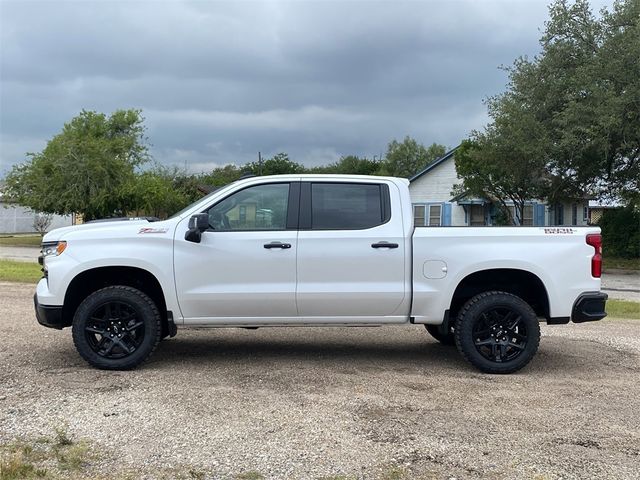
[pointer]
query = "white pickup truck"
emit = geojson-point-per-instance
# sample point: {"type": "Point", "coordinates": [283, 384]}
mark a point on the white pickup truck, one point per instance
{"type": "Point", "coordinates": [321, 250]}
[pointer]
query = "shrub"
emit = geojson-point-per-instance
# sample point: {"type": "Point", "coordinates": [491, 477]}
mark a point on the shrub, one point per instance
{"type": "Point", "coordinates": [621, 232]}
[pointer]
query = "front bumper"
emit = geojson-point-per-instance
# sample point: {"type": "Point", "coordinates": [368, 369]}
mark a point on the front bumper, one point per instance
{"type": "Point", "coordinates": [49, 315]}
{"type": "Point", "coordinates": [589, 307]}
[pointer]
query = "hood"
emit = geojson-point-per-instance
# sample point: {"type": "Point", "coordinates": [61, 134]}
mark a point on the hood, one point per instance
{"type": "Point", "coordinates": [105, 228]}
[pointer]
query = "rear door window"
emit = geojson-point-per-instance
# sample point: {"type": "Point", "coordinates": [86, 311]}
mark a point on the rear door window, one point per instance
{"type": "Point", "coordinates": [348, 206]}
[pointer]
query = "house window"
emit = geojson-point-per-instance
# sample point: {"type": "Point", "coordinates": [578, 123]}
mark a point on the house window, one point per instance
{"type": "Point", "coordinates": [429, 215]}
{"type": "Point", "coordinates": [435, 215]}
{"type": "Point", "coordinates": [477, 215]}
{"type": "Point", "coordinates": [585, 214]}
{"type": "Point", "coordinates": [418, 215]}
{"type": "Point", "coordinates": [527, 215]}
{"type": "Point", "coordinates": [574, 214]}
{"type": "Point", "coordinates": [560, 215]}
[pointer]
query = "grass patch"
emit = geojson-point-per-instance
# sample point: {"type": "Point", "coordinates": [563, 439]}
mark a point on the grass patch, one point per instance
{"type": "Point", "coordinates": [62, 437]}
{"type": "Point", "coordinates": [394, 473]}
{"type": "Point", "coordinates": [623, 309]}
{"type": "Point", "coordinates": [620, 263]}
{"type": "Point", "coordinates": [21, 240]}
{"type": "Point", "coordinates": [18, 462]}
{"type": "Point", "coordinates": [16, 271]}
{"type": "Point", "coordinates": [73, 457]}
{"type": "Point", "coordinates": [44, 458]}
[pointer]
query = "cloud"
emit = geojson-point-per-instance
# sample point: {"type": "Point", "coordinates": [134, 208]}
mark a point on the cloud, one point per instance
{"type": "Point", "coordinates": [220, 81]}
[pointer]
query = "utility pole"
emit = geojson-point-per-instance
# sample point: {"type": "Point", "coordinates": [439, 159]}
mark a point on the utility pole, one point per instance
{"type": "Point", "coordinates": [259, 163]}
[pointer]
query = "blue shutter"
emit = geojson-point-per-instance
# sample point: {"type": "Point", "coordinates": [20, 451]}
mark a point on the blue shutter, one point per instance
{"type": "Point", "coordinates": [538, 214]}
{"type": "Point", "coordinates": [489, 213]}
{"type": "Point", "coordinates": [446, 214]}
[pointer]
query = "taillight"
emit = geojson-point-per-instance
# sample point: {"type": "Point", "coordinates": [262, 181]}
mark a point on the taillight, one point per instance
{"type": "Point", "coordinates": [595, 240]}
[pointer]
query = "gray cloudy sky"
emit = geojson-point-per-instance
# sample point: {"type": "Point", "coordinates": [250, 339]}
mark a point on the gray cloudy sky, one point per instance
{"type": "Point", "coordinates": [218, 81]}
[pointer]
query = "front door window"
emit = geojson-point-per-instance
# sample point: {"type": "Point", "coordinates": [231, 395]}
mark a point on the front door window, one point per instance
{"type": "Point", "coordinates": [263, 207]}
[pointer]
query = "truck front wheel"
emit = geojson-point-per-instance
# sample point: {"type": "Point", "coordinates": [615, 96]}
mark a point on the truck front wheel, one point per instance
{"type": "Point", "coordinates": [116, 328]}
{"type": "Point", "coordinates": [497, 332]}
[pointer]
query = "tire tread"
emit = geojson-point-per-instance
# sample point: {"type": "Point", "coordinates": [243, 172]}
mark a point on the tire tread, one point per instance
{"type": "Point", "coordinates": [496, 368]}
{"type": "Point", "coordinates": [127, 363]}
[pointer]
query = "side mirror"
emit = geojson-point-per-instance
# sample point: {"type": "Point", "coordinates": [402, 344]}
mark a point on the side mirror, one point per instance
{"type": "Point", "coordinates": [198, 223]}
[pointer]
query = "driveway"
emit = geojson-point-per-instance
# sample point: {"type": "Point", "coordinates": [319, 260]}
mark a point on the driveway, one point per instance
{"type": "Point", "coordinates": [622, 285]}
{"type": "Point", "coordinates": [24, 254]}
{"type": "Point", "coordinates": [308, 403]}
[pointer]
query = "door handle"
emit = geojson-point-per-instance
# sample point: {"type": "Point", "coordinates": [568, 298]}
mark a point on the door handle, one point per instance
{"type": "Point", "coordinates": [277, 245]}
{"type": "Point", "coordinates": [384, 245]}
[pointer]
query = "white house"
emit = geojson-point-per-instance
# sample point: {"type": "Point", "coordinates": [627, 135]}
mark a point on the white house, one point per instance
{"type": "Point", "coordinates": [434, 204]}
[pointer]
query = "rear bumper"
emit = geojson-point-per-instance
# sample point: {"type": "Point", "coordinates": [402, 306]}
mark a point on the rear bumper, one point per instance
{"type": "Point", "coordinates": [589, 307]}
{"type": "Point", "coordinates": [48, 315]}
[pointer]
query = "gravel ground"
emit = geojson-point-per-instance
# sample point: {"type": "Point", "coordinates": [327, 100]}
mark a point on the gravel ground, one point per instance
{"type": "Point", "coordinates": [303, 403]}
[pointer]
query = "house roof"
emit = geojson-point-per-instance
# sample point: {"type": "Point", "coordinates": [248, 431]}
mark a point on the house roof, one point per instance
{"type": "Point", "coordinates": [434, 164]}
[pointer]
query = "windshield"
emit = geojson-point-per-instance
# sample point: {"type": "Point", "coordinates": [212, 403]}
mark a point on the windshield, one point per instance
{"type": "Point", "coordinates": [177, 214]}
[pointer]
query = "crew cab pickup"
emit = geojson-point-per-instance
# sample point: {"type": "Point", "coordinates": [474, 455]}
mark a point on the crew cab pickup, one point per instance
{"type": "Point", "coordinates": [322, 250]}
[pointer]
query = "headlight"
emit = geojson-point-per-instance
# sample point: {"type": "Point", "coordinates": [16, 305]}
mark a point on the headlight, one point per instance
{"type": "Point", "coordinates": [53, 248]}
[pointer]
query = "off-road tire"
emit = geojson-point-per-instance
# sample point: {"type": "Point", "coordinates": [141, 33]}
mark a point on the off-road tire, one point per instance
{"type": "Point", "coordinates": [92, 319]}
{"type": "Point", "coordinates": [482, 332]}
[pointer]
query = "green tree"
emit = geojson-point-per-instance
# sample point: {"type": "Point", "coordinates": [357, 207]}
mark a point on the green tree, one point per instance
{"type": "Point", "coordinates": [220, 176]}
{"type": "Point", "coordinates": [406, 158]}
{"type": "Point", "coordinates": [350, 164]}
{"type": "Point", "coordinates": [507, 162]}
{"type": "Point", "coordinates": [588, 78]}
{"type": "Point", "coordinates": [568, 123]}
{"type": "Point", "coordinates": [583, 90]}
{"type": "Point", "coordinates": [85, 168]}
{"type": "Point", "coordinates": [279, 164]}
{"type": "Point", "coordinates": [621, 232]}
{"type": "Point", "coordinates": [159, 192]}
{"type": "Point", "coordinates": [494, 166]}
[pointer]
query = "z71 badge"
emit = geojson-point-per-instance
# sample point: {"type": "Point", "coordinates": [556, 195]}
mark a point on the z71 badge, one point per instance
{"type": "Point", "coordinates": [152, 230]}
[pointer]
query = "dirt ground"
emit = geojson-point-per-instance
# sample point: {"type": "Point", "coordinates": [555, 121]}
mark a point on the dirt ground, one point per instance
{"type": "Point", "coordinates": [298, 403]}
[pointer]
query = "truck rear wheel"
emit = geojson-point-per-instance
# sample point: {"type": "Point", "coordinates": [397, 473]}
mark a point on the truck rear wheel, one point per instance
{"type": "Point", "coordinates": [116, 328]}
{"type": "Point", "coordinates": [497, 332]}
{"type": "Point", "coordinates": [444, 338]}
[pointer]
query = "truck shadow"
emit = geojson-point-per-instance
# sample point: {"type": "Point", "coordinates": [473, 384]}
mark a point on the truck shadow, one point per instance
{"type": "Point", "coordinates": [284, 351]}
{"type": "Point", "coordinates": [400, 353]}
{"type": "Point", "coordinates": [342, 350]}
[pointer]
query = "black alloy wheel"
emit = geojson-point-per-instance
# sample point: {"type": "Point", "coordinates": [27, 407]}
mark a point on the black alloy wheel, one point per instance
{"type": "Point", "coordinates": [116, 328]}
{"type": "Point", "coordinates": [497, 332]}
